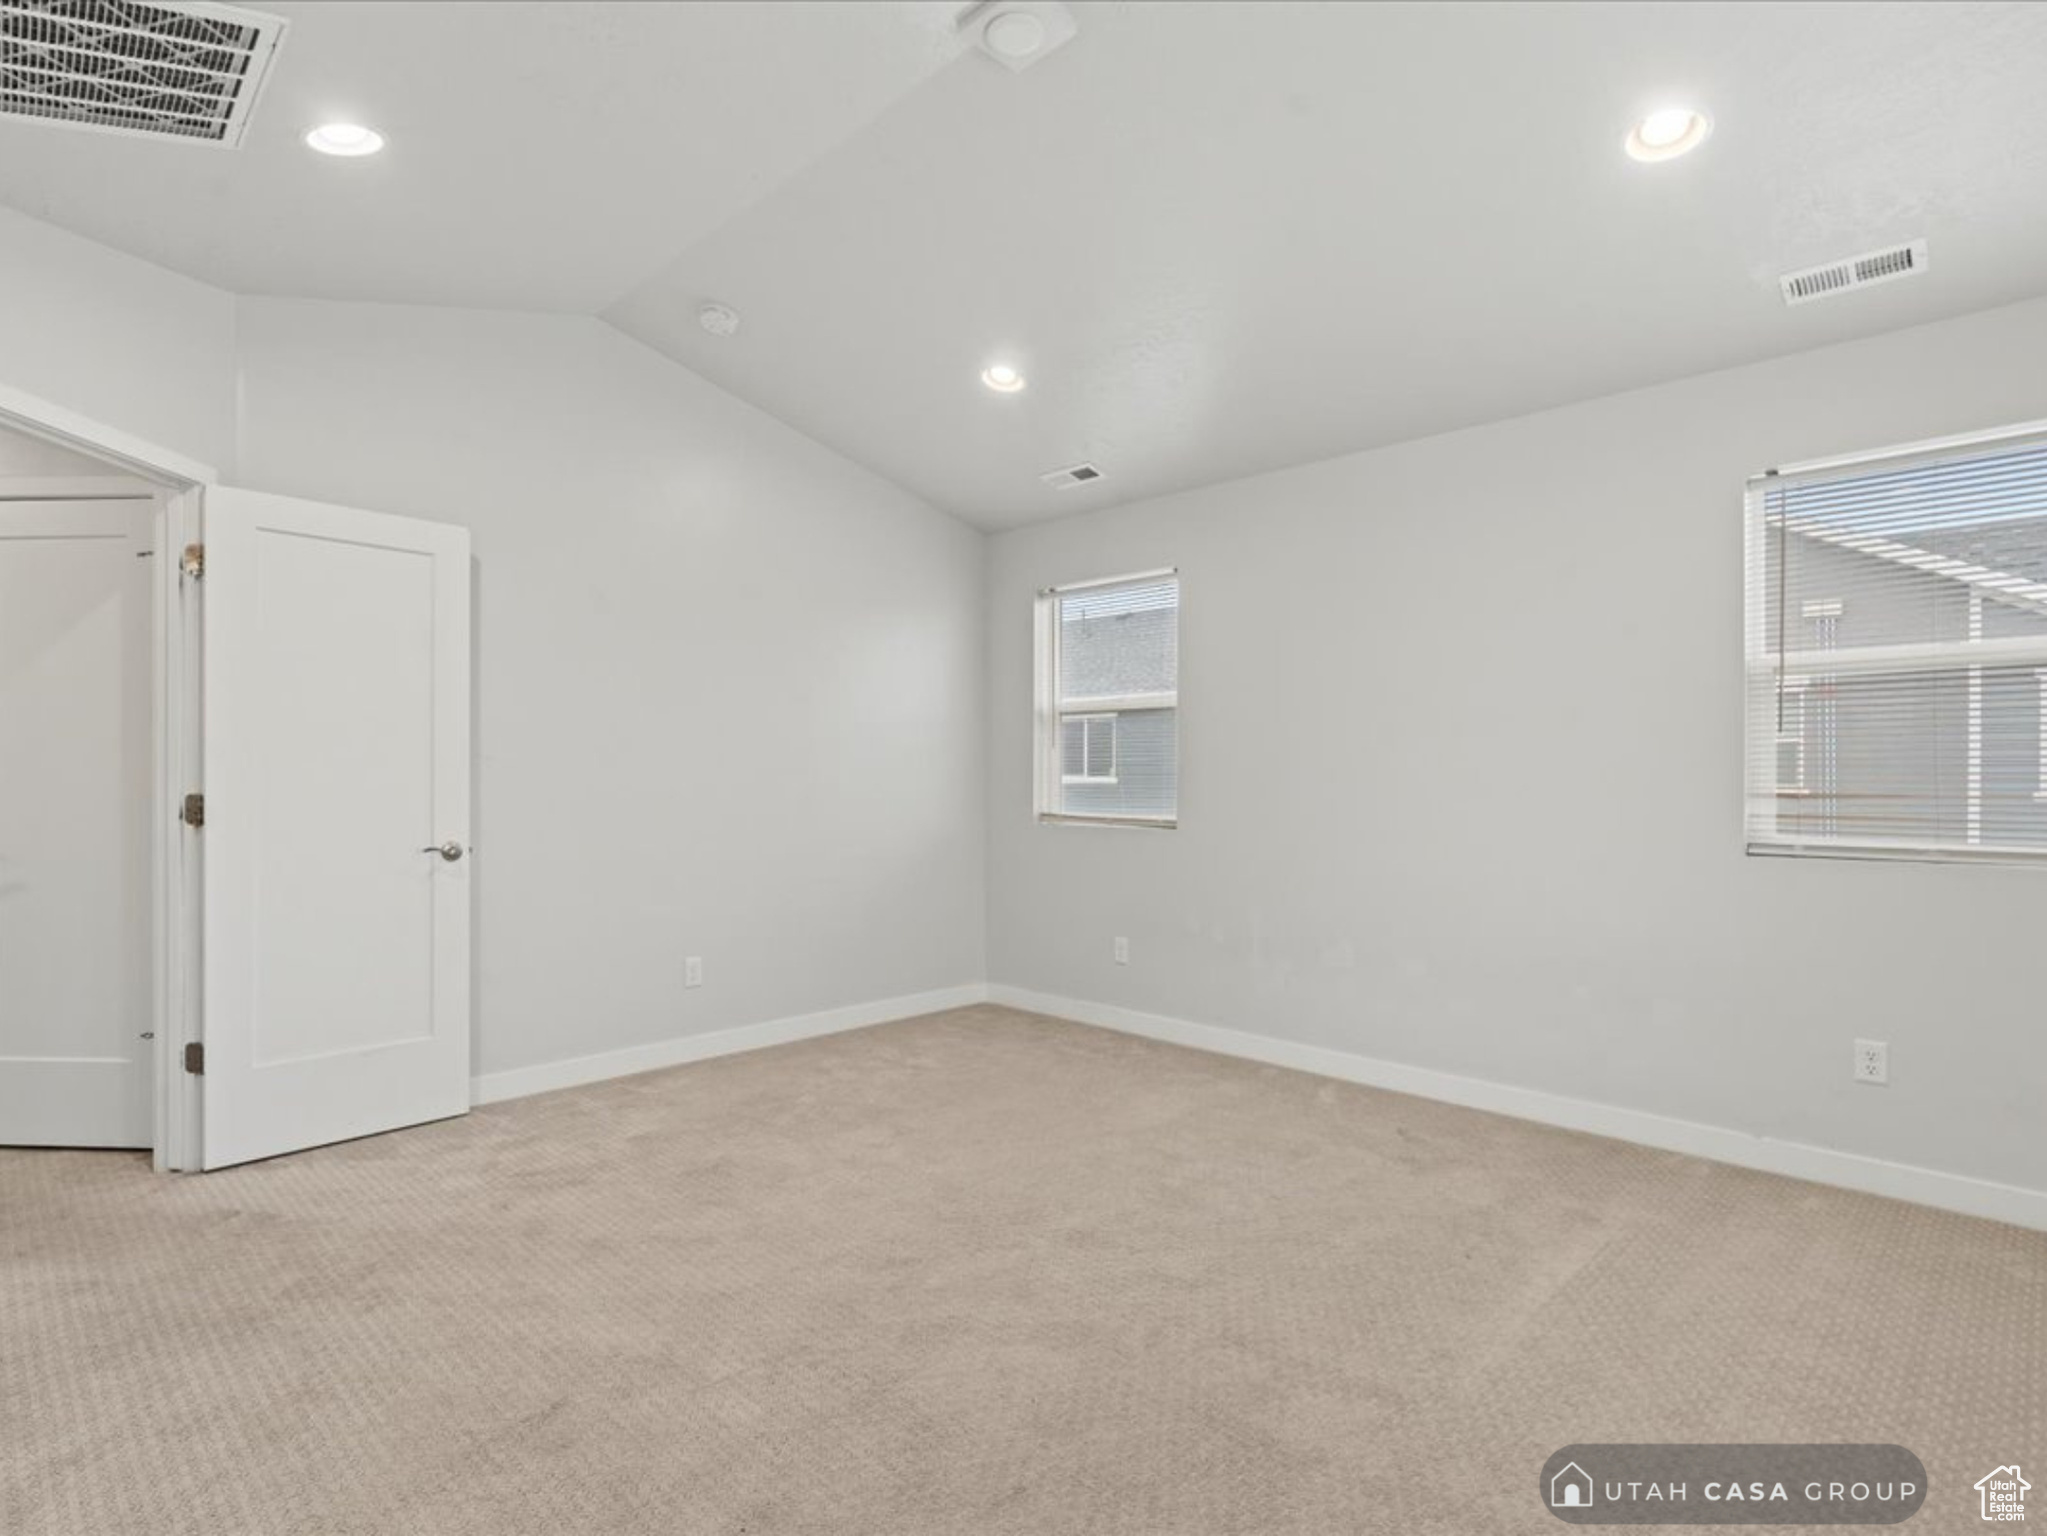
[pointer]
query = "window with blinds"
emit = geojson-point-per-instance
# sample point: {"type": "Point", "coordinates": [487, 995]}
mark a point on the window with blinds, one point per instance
{"type": "Point", "coordinates": [1897, 654]}
{"type": "Point", "coordinates": [1108, 701]}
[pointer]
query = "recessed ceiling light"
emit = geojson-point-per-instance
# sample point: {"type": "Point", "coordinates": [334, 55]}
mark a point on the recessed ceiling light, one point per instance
{"type": "Point", "coordinates": [348, 139]}
{"type": "Point", "coordinates": [1667, 133]}
{"type": "Point", "coordinates": [1003, 378]}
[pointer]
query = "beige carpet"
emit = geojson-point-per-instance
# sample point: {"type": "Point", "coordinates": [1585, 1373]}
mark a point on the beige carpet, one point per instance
{"type": "Point", "coordinates": [972, 1274]}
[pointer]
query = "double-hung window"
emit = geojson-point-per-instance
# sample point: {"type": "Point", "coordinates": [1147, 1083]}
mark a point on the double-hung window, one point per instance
{"type": "Point", "coordinates": [1108, 681]}
{"type": "Point", "coordinates": [1897, 647]}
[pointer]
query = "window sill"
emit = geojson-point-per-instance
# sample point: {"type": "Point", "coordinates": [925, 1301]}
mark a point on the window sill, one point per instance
{"type": "Point", "coordinates": [1060, 819]}
{"type": "Point", "coordinates": [1878, 853]}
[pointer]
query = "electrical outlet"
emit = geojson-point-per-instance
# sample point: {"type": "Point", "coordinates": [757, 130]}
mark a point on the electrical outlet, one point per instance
{"type": "Point", "coordinates": [1122, 951]}
{"type": "Point", "coordinates": [1872, 1062]}
{"type": "Point", "coordinates": [693, 971]}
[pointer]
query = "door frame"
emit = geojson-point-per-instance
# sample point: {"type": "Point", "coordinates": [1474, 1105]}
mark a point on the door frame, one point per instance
{"type": "Point", "coordinates": [178, 487]}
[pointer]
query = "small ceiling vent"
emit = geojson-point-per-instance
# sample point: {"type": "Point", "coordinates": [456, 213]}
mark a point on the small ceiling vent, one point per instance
{"type": "Point", "coordinates": [1073, 474]}
{"type": "Point", "coordinates": [1838, 277]}
{"type": "Point", "coordinates": [176, 69]}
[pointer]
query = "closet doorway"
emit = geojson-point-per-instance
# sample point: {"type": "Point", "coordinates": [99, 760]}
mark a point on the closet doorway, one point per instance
{"type": "Point", "coordinates": [76, 790]}
{"type": "Point", "coordinates": [235, 848]}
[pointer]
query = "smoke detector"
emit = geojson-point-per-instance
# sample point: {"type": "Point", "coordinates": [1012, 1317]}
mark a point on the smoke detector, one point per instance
{"type": "Point", "coordinates": [173, 69]}
{"type": "Point", "coordinates": [718, 319]}
{"type": "Point", "coordinates": [1073, 474]}
{"type": "Point", "coordinates": [1018, 33]}
{"type": "Point", "coordinates": [1839, 277]}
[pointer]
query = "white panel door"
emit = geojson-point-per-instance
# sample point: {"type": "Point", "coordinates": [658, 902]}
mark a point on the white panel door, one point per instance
{"type": "Point", "coordinates": [336, 748]}
{"type": "Point", "coordinates": [75, 798]}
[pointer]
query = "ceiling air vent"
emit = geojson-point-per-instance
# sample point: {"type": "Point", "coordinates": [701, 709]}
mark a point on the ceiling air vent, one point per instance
{"type": "Point", "coordinates": [1838, 277]}
{"type": "Point", "coordinates": [1073, 474]}
{"type": "Point", "coordinates": [183, 70]}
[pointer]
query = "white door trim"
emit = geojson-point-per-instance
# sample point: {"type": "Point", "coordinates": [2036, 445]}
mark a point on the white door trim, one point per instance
{"type": "Point", "coordinates": [175, 481]}
{"type": "Point", "coordinates": [178, 848]}
{"type": "Point", "coordinates": [78, 487]}
{"type": "Point", "coordinates": [59, 424]}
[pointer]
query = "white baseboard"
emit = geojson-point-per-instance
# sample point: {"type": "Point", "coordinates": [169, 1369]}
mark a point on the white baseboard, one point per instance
{"type": "Point", "coordinates": [549, 1075]}
{"type": "Point", "coordinates": [1846, 1170]}
{"type": "Point", "coordinates": [1799, 1160]}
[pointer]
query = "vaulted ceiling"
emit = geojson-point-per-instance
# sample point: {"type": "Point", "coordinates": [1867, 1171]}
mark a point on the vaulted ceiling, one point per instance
{"type": "Point", "coordinates": [1217, 238]}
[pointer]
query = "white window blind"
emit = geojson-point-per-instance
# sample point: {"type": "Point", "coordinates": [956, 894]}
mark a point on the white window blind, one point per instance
{"type": "Point", "coordinates": [1108, 701]}
{"type": "Point", "coordinates": [1897, 642]}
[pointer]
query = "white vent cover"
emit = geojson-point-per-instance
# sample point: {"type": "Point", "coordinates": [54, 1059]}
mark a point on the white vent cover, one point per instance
{"type": "Point", "coordinates": [1072, 474]}
{"type": "Point", "coordinates": [175, 69]}
{"type": "Point", "coordinates": [1838, 277]}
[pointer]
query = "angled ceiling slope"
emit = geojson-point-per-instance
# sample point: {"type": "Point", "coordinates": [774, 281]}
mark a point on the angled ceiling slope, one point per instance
{"type": "Point", "coordinates": [1224, 238]}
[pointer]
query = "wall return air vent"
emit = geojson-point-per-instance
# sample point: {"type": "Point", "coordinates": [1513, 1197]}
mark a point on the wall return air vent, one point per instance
{"type": "Point", "coordinates": [1073, 474]}
{"type": "Point", "coordinates": [177, 69]}
{"type": "Point", "coordinates": [1838, 277]}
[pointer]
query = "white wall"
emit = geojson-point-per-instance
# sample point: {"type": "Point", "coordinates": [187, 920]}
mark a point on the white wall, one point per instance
{"type": "Point", "coordinates": [1461, 737]}
{"type": "Point", "coordinates": [729, 683]}
{"type": "Point", "coordinates": [115, 339]}
{"type": "Point", "coordinates": [24, 456]}
{"type": "Point", "coordinates": [1461, 717]}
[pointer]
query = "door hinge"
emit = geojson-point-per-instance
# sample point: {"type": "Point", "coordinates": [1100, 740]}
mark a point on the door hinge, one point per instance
{"type": "Point", "coordinates": [194, 813]}
{"type": "Point", "coordinates": [194, 562]}
{"type": "Point", "coordinates": [195, 1057]}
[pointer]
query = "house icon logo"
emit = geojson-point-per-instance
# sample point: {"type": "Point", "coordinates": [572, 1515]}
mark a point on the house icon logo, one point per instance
{"type": "Point", "coordinates": [2004, 1495]}
{"type": "Point", "coordinates": [1572, 1487]}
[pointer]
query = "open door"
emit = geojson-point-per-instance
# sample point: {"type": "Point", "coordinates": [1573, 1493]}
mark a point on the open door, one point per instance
{"type": "Point", "coordinates": [336, 824]}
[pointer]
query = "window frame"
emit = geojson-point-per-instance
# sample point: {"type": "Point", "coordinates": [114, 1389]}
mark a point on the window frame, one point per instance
{"type": "Point", "coordinates": [1051, 711]}
{"type": "Point", "coordinates": [1087, 723]}
{"type": "Point", "coordinates": [1761, 665]}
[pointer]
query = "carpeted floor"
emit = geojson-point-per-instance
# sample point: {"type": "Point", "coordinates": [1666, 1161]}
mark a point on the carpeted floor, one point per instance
{"type": "Point", "coordinates": [972, 1274]}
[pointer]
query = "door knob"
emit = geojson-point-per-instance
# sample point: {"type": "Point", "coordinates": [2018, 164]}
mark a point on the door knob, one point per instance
{"type": "Point", "coordinates": [451, 851]}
